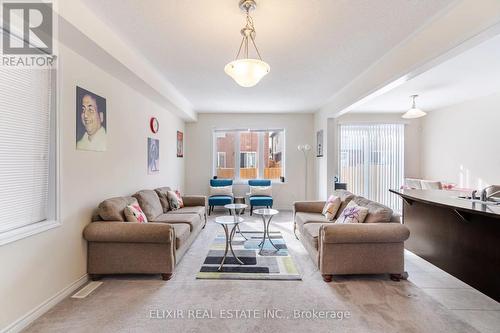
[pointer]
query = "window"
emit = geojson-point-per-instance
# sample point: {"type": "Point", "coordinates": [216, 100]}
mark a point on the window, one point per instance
{"type": "Point", "coordinates": [249, 154]}
{"type": "Point", "coordinates": [274, 146]}
{"type": "Point", "coordinates": [249, 145]}
{"type": "Point", "coordinates": [224, 146]}
{"type": "Point", "coordinates": [221, 159]}
{"type": "Point", "coordinates": [371, 160]}
{"type": "Point", "coordinates": [248, 160]}
{"type": "Point", "coordinates": [27, 152]}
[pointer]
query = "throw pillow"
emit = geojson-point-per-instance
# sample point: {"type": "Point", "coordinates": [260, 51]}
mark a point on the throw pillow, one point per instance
{"type": "Point", "coordinates": [261, 191]}
{"type": "Point", "coordinates": [221, 190]}
{"type": "Point", "coordinates": [134, 213]}
{"type": "Point", "coordinates": [163, 195]}
{"type": "Point", "coordinates": [173, 200]}
{"type": "Point", "coordinates": [353, 214]}
{"type": "Point", "coordinates": [332, 205]}
{"type": "Point", "coordinates": [179, 198]}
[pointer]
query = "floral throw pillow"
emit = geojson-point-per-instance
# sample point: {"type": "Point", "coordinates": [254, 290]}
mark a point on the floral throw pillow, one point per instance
{"type": "Point", "coordinates": [179, 198]}
{"type": "Point", "coordinates": [332, 205]}
{"type": "Point", "coordinates": [353, 213]}
{"type": "Point", "coordinates": [134, 213]}
{"type": "Point", "coordinates": [175, 200]}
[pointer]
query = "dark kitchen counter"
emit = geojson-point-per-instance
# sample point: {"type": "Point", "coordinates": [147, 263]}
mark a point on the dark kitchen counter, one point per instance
{"type": "Point", "coordinates": [457, 235]}
{"type": "Point", "coordinates": [449, 199]}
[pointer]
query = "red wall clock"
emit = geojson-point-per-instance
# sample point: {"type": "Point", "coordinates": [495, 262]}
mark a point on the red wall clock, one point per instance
{"type": "Point", "coordinates": [154, 125]}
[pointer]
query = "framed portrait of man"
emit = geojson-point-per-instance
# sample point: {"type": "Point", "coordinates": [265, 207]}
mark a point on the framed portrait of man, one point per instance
{"type": "Point", "coordinates": [153, 156]}
{"type": "Point", "coordinates": [180, 144]}
{"type": "Point", "coordinates": [90, 121]}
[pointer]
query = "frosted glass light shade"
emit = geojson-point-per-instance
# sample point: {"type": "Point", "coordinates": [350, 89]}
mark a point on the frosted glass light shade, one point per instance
{"type": "Point", "coordinates": [247, 72]}
{"type": "Point", "coordinates": [413, 113]}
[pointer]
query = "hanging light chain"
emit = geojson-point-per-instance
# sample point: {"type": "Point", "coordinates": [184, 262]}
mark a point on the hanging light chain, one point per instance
{"type": "Point", "coordinates": [248, 31]}
{"type": "Point", "coordinates": [413, 100]}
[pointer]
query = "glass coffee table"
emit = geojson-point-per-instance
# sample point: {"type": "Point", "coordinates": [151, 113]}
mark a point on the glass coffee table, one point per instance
{"type": "Point", "coordinates": [266, 214]}
{"type": "Point", "coordinates": [226, 221]}
{"type": "Point", "coordinates": [237, 209]}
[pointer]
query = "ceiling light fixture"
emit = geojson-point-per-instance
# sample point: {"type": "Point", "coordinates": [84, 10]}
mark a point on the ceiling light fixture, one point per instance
{"type": "Point", "coordinates": [414, 112]}
{"type": "Point", "coordinates": [247, 72]}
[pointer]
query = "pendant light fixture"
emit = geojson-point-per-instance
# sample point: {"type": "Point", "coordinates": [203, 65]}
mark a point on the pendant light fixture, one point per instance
{"type": "Point", "coordinates": [414, 112]}
{"type": "Point", "coordinates": [246, 71]}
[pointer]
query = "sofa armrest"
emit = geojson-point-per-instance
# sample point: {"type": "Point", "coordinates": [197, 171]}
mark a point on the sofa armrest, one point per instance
{"type": "Point", "coordinates": [194, 200]}
{"type": "Point", "coordinates": [308, 206]}
{"type": "Point", "coordinates": [128, 232]}
{"type": "Point", "coordinates": [364, 233]}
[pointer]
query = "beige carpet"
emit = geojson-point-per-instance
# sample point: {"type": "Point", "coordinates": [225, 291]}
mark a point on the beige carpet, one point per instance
{"type": "Point", "coordinates": [375, 303]}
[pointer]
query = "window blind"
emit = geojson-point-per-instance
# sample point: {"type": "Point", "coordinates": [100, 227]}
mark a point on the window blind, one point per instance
{"type": "Point", "coordinates": [25, 103]}
{"type": "Point", "coordinates": [372, 160]}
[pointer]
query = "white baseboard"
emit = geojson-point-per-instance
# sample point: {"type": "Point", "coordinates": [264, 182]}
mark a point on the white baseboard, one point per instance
{"type": "Point", "coordinates": [38, 311]}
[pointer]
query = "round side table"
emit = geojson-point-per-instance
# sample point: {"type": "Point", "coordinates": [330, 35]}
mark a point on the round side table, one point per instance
{"type": "Point", "coordinates": [226, 221]}
{"type": "Point", "coordinates": [268, 214]}
{"type": "Point", "coordinates": [237, 210]}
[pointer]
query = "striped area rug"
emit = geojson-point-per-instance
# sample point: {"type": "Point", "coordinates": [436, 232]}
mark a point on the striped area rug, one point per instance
{"type": "Point", "coordinates": [272, 264]}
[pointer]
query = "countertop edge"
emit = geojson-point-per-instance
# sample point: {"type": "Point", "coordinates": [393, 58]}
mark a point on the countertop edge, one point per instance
{"type": "Point", "coordinates": [446, 205]}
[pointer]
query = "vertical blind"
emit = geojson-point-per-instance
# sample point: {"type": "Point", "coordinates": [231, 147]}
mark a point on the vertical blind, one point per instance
{"type": "Point", "coordinates": [25, 98]}
{"type": "Point", "coordinates": [372, 160]}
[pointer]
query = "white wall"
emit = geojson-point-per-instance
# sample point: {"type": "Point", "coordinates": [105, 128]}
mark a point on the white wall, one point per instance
{"type": "Point", "coordinates": [460, 143]}
{"type": "Point", "coordinates": [298, 129]}
{"type": "Point", "coordinates": [36, 268]}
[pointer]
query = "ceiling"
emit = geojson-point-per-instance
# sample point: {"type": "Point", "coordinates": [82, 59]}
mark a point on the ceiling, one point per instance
{"type": "Point", "coordinates": [314, 47]}
{"type": "Point", "coordinates": [472, 74]}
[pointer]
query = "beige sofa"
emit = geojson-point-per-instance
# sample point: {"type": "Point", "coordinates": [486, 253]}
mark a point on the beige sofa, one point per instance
{"type": "Point", "coordinates": [119, 247]}
{"type": "Point", "coordinates": [373, 247]}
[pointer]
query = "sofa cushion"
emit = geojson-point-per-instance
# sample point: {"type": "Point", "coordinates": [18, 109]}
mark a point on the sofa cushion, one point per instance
{"type": "Point", "coordinates": [261, 201]}
{"type": "Point", "coordinates": [174, 200]}
{"type": "Point", "coordinates": [193, 220]}
{"type": "Point", "coordinates": [331, 207]}
{"type": "Point", "coordinates": [377, 212]}
{"type": "Point", "coordinates": [302, 218]}
{"type": "Point", "coordinates": [150, 203]}
{"type": "Point", "coordinates": [112, 209]}
{"type": "Point", "coordinates": [261, 190]}
{"type": "Point", "coordinates": [220, 200]}
{"type": "Point", "coordinates": [134, 213]}
{"type": "Point", "coordinates": [221, 190]}
{"type": "Point", "coordinates": [311, 233]}
{"type": "Point", "coordinates": [182, 234]}
{"type": "Point", "coordinates": [353, 213]}
{"type": "Point", "coordinates": [200, 210]}
{"type": "Point", "coordinates": [163, 196]}
{"type": "Point", "coordinates": [345, 198]}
